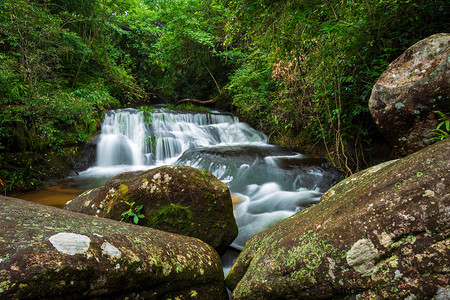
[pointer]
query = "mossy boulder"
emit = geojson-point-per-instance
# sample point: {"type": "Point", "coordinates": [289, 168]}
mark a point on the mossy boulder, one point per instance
{"type": "Point", "coordinates": [176, 199]}
{"type": "Point", "coordinates": [405, 97]}
{"type": "Point", "coordinates": [383, 233]}
{"type": "Point", "coordinates": [50, 253]}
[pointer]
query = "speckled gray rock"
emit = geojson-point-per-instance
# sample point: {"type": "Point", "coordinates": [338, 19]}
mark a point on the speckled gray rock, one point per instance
{"type": "Point", "coordinates": [382, 233]}
{"type": "Point", "coordinates": [406, 95]}
{"type": "Point", "coordinates": [50, 253]}
{"type": "Point", "coordinates": [178, 199]}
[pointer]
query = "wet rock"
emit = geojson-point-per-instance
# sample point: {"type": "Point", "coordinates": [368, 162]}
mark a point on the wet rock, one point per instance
{"type": "Point", "coordinates": [406, 95]}
{"type": "Point", "coordinates": [50, 253]}
{"type": "Point", "coordinates": [86, 156]}
{"type": "Point", "coordinates": [237, 154]}
{"type": "Point", "coordinates": [176, 199]}
{"type": "Point", "coordinates": [383, 233]}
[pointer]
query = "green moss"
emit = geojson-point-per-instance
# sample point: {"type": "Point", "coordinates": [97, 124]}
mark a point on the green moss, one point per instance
{"type": "Point", "coordinates": [85, 193]}
{"type": "Point", "coordinates": [209, 198]}
{"type": "Point", "coordinates": [173, 216]}
{"type": "Point", "coordinates": [134, 265]}
{"type": "Point", "coordinates": [189, 107]}
{"type": "Point", "coordinates": [122, 191]}
{"type": "Point", "coordinates": [151, 142]}
{"type": "Point", "coordinates": [6, 285]}
{"type": "Point", "coordinates": [205, 174]}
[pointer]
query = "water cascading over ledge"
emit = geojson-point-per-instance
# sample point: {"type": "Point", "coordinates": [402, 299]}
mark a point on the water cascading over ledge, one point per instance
{"type": "Point", "coordinates": [268, 182]}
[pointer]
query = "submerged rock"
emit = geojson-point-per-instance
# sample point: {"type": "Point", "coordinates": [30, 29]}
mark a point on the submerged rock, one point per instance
{"type": "Point", "coordinates": [46, 252]}
{"type": "Point", "coordinates": [176, 199]}
{"type": "Point", "coordinates": [383, 233]}
{"type": "Point", "coordinates": [406, 95]}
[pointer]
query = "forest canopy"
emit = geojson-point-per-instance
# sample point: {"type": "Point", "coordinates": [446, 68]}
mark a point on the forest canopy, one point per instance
{"type": "Point", "coordinates": [301, 71]}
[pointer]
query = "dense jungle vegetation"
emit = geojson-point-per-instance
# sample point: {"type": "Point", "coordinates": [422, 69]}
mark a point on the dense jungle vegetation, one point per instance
{"type": "Point", "coordinates": [301, 71]}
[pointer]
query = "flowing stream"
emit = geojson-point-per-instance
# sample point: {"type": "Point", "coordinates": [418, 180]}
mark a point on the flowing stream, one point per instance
{"type": "Point", "coordinates": [268, 183]}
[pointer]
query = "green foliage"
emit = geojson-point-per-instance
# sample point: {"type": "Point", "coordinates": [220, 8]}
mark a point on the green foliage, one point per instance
{"type": "Point", "coordinates": [302, 71]}
{"type": "Point", "coordinates": [442, 131]}
{"type": "Point", "coordinates": [252, 90]}
{"type": "Point", "coordinates": [172, 216]}
{"type": "Point", "coordinates": [147, 112]}
{"type": "Point", "coordinates": [132, 213]}
{"type": "Point", "coordinates": [323, 58]}
{"type": "Point", "coordinates": [151, 142]}
{"type": "Point", "coordinates": [189, 107]}
{"type": "Point", "coordinates": [173, 50]}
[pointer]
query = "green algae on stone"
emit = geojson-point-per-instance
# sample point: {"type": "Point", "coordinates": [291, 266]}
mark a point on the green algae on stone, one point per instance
{"type": "Point", "coordinates": [172, 215]}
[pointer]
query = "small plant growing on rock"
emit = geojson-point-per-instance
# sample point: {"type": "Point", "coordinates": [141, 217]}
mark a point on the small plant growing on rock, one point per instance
{"type": "Point", "coordinates": [442, 131]}
{"type": "Point", "coordinates": [133, 213]}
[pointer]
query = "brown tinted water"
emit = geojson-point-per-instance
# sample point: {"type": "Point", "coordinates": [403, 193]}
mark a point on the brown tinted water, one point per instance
{"type": "Point", "coordinates": [57, 195]}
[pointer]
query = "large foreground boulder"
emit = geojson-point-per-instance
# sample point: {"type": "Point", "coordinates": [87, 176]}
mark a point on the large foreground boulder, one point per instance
{"type": "Point", "coordinates": [383, 233]}
{"type": "Point", "coordinates": [406, 95]}
{"type": "Point", "coordinates": [176, 199]}
{"type": "Point", "coordinates": [48, 253]}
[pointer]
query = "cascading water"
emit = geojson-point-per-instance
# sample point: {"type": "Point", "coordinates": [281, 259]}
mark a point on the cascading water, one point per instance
{"type": "Point", "coordinates": [122, 139]}
{"type": "Point", "coordinates": [270, 182]}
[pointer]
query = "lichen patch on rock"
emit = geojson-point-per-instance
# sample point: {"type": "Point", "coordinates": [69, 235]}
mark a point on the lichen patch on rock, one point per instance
{"type": "Point", "coordinates": [362, 256]}
{"type": "Point", "coordinates": [70, 243]}
{"type": "Point", "coordinates": [110, 250]}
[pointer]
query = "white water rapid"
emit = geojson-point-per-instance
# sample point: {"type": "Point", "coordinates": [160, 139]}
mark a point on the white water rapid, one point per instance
{"type": "Point", "coordinates": [270, 183]}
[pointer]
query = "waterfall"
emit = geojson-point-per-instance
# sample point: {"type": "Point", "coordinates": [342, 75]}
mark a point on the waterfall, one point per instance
{"type": "Point", "coordinates": [269, 183]}
{"type": "Point", "coordinates": [122, 139]}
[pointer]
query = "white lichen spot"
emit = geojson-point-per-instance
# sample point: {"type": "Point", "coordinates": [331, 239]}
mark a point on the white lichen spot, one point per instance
{"type": "Point", "coordinates": [14, 268]}
{"type": "Point", "coordinates": [89, 256]}
{"type": "Point", "coordinates": [331, 268]}
{"type": "Point", "coordinates": [385, 239]}
{"type": "Point", "coordinates": [429, 193]}
{"type": "Point", "coordinates": [144, 185]}
{"type": "Point", "coordinates": [70, 243]}
{"type": "Point", "coordinates": [442, 294]}
{"type": "Point", "coordinates": [362, 257]}
{"type": "Point", "coordinates": [110, 250]}
{"type": "Point", "coordinates": [117, 266]}
{"type": "Point", "coordinates": [398, 274]}
{"type": "Point", "coordinates": [111, 192]}
{"type": "Point", "coordinates": [157, 176]}
{"type": "Point", "coordinates": [167, 177]}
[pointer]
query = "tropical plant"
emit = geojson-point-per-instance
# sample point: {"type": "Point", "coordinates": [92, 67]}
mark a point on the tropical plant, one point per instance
{"type": "Point", "coordinates": [133, 213]}
{"type": "Point", "coordinates": [442, 131]}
